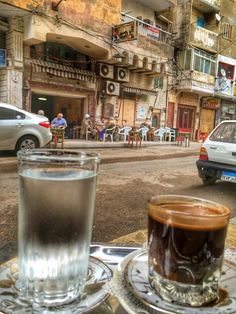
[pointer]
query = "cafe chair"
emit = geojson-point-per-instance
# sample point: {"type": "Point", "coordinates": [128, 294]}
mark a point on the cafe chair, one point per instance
{"type": "Point", "coordinates": [58, 136]}
{"type": "Point", "coordinates": [159, 134]}
{"type": "Point", "coordinates": [170, 134]}
{"type": "Point", "coordinates": [143, 131]}
{"type": "Point", "coordinates": [125, 132]}
{"type": "Point", "coordinates": [109, 133]}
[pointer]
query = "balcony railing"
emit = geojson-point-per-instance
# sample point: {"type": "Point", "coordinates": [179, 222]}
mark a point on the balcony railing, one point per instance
{"type": "Point", "coordinates": [203, 38]}
{"type": "Point", "coordinates": [207, 6]}
{"type": "Point", "coordinates": [133, 29]}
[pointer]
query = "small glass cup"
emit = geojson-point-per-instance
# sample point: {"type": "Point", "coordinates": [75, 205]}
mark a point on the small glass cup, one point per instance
{"type": "Point", "coordinates": [186, 239]}
{"type": "Point", "coordinates": [56, 206]}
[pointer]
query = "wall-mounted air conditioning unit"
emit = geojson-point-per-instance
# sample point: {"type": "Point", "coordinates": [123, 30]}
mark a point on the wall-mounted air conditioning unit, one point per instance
{"type": "Point", "coordinates": [112, 88]}
{"type": "Point", "coordinates": [122, 74]}
{"type": "Point", "coordinates": [105, 70]}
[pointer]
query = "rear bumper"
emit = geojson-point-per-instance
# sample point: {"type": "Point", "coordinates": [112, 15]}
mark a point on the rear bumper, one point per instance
{"type": "Point", "coordinates": [213, 169]}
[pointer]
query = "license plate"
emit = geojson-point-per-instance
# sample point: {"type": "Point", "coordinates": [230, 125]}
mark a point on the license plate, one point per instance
{"type": "Point", "coordinates": [228, 176]}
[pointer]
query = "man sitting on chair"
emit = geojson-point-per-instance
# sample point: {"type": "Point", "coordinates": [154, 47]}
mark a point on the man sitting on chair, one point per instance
{"type": "Point", "coordinates": [59, 122]}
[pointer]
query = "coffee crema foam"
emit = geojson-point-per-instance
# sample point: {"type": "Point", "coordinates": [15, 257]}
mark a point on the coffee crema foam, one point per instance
{"type": "Point", "coordinates": [197, 217]}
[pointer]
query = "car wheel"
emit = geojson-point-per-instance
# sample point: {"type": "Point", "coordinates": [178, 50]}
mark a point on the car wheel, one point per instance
{"type": "Point", "coordinates": [27, 142]}
{"type": "Point", "coordinates": [207, 180]}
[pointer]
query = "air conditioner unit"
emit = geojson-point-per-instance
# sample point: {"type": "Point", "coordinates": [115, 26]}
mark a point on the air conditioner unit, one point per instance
{"type": "Point", "coordinates": [122, 74]}
{"type": "Point", "coordinates": [105, 70]}
{"type": "Point", "coordinates": [112, 88]}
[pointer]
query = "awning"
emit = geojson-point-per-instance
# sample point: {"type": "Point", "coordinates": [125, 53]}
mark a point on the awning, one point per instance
{"type": "Point", "coordinates": [138, 91]}
{"type": "Point", "coordinates": [62, 70]}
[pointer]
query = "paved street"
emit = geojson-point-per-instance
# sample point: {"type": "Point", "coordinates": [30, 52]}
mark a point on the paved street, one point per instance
{"type": "Point", "coordinates": [122, 193]}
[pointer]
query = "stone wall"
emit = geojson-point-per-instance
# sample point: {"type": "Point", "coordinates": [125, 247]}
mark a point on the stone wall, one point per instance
{"type": "Point", "coordinates": [97, 15]}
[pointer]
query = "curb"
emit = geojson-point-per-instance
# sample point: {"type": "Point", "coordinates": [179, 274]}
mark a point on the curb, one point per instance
{"type": "Point", "coordinates": [147, 157]}
{"type": "Point", "coordinates": [11, 165]}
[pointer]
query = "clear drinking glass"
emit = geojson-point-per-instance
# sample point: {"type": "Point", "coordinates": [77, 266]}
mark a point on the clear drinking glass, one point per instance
{"type": "Point", "coordinates": [56, 206]}
{"type": "Point", "coordinates": [186, 238]}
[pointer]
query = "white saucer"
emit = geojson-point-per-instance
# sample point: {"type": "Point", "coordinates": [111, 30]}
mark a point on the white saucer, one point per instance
{"type": "Point", "coordinates": [131, 285]}
{"type": "Point", "coordinates": [94, 293]}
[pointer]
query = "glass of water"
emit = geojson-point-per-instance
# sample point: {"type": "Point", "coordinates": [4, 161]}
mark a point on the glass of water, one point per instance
{"type": "Point", "coordinates": [56, 206]}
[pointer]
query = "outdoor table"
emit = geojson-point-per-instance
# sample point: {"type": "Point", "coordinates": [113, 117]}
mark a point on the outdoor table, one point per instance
{"type": "Point", "coordinates": [186, 136]}
{"type": "Point", "coordinates": [127, 244]}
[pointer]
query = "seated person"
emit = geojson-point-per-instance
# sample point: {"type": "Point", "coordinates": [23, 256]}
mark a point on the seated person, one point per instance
{"type": "Point", "coordinates": [59, 122]}
{"type": "Point", "coordinates": [87, 127]}
{"type": "Point", "coordinates": [100, 127]}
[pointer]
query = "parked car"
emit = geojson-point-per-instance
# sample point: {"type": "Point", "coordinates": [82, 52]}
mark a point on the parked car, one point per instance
{"type": "Point", "coordinates": [217, 160]}
{"type": "Point", "coordinates": [20, 129]}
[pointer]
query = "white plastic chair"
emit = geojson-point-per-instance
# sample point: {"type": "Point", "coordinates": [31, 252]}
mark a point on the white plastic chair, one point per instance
{"type": "Point", "coordinates": [125, 132]}
{"type": "Point", "coordinates": [170, 133]}
{"type": "Point", "coordinates": [143, 131]}
{"type": "Point", "coordinates": [109, 132]}
{"type": "Point", "coordinates": [159, 134]}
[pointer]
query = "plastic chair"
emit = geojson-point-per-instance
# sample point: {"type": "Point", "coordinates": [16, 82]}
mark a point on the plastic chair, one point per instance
{"type": "Point", "coordinates": [143, 131]}
{"type": "Point", "coordinates": [109, 132]}
{"type": "Point", "coordinates": [125, 132]}
{"type": "Point", "coordinates": [159, 134]}
{"type": "Point", "coordinates": [170, 133]}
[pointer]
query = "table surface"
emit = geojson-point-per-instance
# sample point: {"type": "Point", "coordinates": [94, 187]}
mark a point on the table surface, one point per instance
{"type": "Point", "coordinates": [135, 240]}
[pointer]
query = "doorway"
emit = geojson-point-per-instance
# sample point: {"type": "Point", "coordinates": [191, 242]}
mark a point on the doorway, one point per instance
{"type": "Point", "coordinates": [185, 118]}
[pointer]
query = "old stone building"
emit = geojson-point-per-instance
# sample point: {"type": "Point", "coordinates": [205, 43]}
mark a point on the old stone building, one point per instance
{"type": "Point", "coordinates": [204, 31]}
{"type": "Point", "coordinates": [65, 56]}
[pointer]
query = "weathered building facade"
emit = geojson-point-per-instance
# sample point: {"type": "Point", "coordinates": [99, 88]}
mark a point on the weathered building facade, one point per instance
{"type": "Point", "coordinates": [64, 56]}
{"type": "Point", "coordinates": [204, 32]}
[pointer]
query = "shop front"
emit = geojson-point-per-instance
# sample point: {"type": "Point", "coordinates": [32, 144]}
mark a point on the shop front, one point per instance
{"type": "Point", "coordinates": [56, 88]}
{"type": "Point", "coordinates": [208, 114]}
{"type": "Point", "coordinates": [228, 111]}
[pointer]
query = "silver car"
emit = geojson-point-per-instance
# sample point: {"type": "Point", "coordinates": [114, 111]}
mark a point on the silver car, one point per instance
{"type": "Point", "coordinates": [20, 130]}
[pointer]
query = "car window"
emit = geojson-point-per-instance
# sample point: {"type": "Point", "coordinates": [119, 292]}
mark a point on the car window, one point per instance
{"type": "Point", "coordinates": [9, 114]}
{"type": "Point", "coordinates": [226, 132]}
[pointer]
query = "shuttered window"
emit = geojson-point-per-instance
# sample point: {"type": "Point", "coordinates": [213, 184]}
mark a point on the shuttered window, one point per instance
{"type": "Point", "coordinates": [227, 30]}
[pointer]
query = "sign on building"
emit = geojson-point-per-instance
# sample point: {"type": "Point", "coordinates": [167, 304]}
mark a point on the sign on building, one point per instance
{"type": "Point", "coordinates": [125, 31]}
{"type": "Point", "coordinates": [3, 63]}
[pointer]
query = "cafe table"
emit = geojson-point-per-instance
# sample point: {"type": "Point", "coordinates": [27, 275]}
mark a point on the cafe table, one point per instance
{"type": "Point", "coordinates": [186, 138]}
{"type": "Point", "coordinates": [114, 252]}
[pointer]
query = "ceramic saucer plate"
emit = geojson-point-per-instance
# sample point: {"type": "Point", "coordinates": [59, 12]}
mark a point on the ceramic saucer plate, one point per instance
{"type": "Point", "coordinates": [94, 293]}
{"type": "Point", "coordinates": [132, 288]}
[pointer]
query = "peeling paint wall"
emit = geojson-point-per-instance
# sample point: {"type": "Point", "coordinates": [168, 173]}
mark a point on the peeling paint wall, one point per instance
{"type": "Point", "coordinates": [95, 15]}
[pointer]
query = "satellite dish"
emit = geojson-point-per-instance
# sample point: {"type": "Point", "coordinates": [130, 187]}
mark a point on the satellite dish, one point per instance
{"type": "Point", "coordinates": [218, 17]}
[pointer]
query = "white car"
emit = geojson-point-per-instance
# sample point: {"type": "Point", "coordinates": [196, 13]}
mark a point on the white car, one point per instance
{"type": "Point", "coordinates": [20, 129]}
{"type": "Point", "coordinates": [217, 160]}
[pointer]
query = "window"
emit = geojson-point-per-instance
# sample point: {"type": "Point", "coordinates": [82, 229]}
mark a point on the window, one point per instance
{"type": "Point", "coordinates": [204, 62]}
{"type": "Point", "coordinates": [226, 132]}
{"type": "Point", "coordinates": [8, 114]}
{"type": "Point", "coordinates": [201, 21]}
{"type": "Point", "coordinates": [61, 54]}
{"type": "Point", "coordinates": [158, 82]}
{"type": "Point", "coordinates": [227, 30]}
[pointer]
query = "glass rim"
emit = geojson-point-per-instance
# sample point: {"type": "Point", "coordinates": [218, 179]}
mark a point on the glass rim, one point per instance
{"type": "Point", "coordinates": [188, 199]}
{"type": "Point", "coordinates": [56, 155]}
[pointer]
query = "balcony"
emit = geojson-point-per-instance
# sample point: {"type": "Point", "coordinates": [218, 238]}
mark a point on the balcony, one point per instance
{"type": "Point", "coordinates": [160, 5]}
{"type": "Point", "coordinates": [203, 38]}
{"type": "Point", "coordinates": [196, 81]}
{"type": "Point", "coordinates": [207, 6]}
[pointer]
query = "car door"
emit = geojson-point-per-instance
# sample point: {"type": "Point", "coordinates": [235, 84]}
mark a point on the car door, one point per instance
{"type": "Point", "coordinates": [221, 144]}
{"type": "Point", "coordinates": [11, 122]}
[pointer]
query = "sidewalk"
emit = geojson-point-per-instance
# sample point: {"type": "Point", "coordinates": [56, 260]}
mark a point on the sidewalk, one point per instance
{"type": "Point", "coordinates": [116, 152]}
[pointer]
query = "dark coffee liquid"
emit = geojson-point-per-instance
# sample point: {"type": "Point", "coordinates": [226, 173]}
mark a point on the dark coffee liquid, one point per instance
{"type": "Point", "coordinates": [183, 252]}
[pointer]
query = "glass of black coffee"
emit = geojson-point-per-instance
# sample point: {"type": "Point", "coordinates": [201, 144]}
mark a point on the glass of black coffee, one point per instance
{"type": "Point", "coordinates": [186, 239]}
